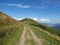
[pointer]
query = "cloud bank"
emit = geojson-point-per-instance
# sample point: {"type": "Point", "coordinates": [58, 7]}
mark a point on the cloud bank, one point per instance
{"type": "Point", "coordinates": [42, 20]}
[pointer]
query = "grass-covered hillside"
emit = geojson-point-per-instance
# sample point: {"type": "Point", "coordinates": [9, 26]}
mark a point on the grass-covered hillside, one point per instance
{"type": "Point", "coordinates": [26, 32]}
{"type": "Point", "coordinates": [6, 20]}
{"type": "Point", "coordinates": [10, 30]}
{"type": "Point", "coordinates": [47, 34]}
{"type": "Point", "coordinates": [40, 25]}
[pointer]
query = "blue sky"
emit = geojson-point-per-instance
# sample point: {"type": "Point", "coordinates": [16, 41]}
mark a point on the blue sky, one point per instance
{"type": "Point", "coordinates": [40, 10]}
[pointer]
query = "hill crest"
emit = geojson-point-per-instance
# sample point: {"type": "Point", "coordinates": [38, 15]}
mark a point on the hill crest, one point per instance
{"type": "Point", "coordinates": [6, 20]}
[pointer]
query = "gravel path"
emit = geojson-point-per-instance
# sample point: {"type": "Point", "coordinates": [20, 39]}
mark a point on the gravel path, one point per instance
{"type": "Point", "coordinates": [22, 39]}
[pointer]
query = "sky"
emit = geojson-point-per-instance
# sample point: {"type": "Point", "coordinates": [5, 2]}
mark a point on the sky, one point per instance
{"type": "Point", "coordinates": [47, 11]}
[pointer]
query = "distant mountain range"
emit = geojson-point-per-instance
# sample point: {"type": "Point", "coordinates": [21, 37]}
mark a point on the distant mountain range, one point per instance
{"type": "Point", "coordinates": [56, 26]}
{"type": "Point", "coordinates": [49, 24]}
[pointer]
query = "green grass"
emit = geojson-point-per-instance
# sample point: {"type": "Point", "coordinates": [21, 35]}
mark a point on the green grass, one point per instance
{"type": "Point", "coordinates": [31, 42]}
{"type": "Point", "coordinates": [10, 30]}
{"type": "Point", "coordinates": [45, 36]}
{"type": "Point", "coordinates": [40, 25]}
{"type": "Point", "coordinates": [42, 34]}
{"type": "Point", "coordinates": [10, 35]}
{"type": "Point", "coordinates": [48, 28]}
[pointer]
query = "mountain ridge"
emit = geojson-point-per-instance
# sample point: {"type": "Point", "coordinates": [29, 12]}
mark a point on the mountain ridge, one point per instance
{"type": "Point", "coordinates": [41, 25]}
{"type": "Point", "coordinates": [13, 32]}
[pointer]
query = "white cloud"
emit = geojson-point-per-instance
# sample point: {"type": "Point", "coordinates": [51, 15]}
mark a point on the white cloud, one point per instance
{"type": "Point", "coordinates": [24, 6]}
{"type": "Point", "coordinates": [14, 18]}
{"type": "Point", "coordinates": [18, 5]}
{"type": "Point", "coordinates": [17, 18]}
{"type": "Point", "coordinates": [35, 18]}
{"type": "Point", "coordinates": [20, 18]}
{"type": "Point", "coordinates": [41, 20]}
{"type": "Point", "coordinates": [44, 20]}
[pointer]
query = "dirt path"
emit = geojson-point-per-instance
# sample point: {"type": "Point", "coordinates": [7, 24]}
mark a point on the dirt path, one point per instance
{"type": "Point", "coordinates": [22, 39]}
{"type": "Point", "coordinates": [26, 36]}
{"type": "Point", "coordinates": [35, 38]}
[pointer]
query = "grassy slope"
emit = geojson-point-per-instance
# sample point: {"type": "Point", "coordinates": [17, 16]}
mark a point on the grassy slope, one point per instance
{"type": "Point", "coordinates": [45, 27]}
{"type": "Point", "coordinates": [46, 39]}
{"type": "Point", "coordinates": [12, 37]}
{"type": "Point", "coordinates": [10, 30]}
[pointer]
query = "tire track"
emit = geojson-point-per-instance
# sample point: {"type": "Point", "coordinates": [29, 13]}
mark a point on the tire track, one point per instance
{"type": "Point", "coordinates": [35, 38]}
{"type": "Point", "coordinates": [25, 35]}
{"type": "Point", "coordinates": [22, 39]}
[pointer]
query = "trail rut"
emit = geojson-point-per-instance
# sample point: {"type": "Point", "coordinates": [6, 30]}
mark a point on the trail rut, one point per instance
{"type": "Point", "coordinates": [22, 39]}
{"type": "Point", "coordinates": [35, 38]}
